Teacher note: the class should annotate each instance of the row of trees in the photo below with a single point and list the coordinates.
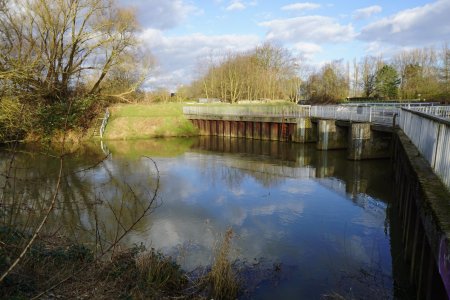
(61, 53)
(266, 72)
(270, 72)
(333, 82)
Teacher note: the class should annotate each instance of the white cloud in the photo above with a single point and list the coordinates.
(301, 6)
(296, 208)
(307, 50)
(367, 12)
(235, 5)
(162, 14)
(318, 29)
(419, 26)
(179, 56)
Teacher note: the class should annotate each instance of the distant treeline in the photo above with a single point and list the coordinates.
(271, 72)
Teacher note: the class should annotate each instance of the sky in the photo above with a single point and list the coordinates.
(183, 35)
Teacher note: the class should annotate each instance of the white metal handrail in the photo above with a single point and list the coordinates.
(377, 114)
(104, 122)
(439, 111)
(431, 136)
(405, 103)
(295, 111)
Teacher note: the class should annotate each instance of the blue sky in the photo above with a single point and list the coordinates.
(184, 34)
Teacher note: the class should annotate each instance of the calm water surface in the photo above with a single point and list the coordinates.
(307, 223)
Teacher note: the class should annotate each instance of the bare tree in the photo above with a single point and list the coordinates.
(51, 48)
(267, 72)
(329, 84)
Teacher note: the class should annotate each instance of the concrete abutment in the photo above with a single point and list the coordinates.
(331, 136)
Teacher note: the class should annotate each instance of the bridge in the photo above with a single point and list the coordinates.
(359, 127)
(415, 137)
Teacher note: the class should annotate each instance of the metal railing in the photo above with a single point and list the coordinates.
(294, 111)
(431, 136)
(439, 111)
(406, 103)
(340, 112)
(377, 114)
(104, 122)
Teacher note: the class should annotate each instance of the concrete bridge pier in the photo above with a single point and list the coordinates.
(359, 136)
(368, 142)
(330, 135)
(306, 131)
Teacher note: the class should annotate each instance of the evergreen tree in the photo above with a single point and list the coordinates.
(387, 82)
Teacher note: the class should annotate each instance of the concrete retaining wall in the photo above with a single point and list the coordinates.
(423, 207)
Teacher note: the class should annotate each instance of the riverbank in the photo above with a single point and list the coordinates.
(58, 268)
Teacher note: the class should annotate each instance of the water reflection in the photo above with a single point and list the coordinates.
(94, 197)
(268, 161)
(290, 205)
(317, 217)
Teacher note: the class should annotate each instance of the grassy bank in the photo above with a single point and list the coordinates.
(141, 121)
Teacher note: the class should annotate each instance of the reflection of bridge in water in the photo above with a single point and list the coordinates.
(270, 161)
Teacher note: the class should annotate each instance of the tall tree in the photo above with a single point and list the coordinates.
(329, 84)
(412, 81)
(387, 82)
(369, 66)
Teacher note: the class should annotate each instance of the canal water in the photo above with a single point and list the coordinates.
(307, 224)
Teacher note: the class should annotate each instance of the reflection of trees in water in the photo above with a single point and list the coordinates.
(267, 162)
(261, 174)
(97, 200)
(233, 169)
(232, 177)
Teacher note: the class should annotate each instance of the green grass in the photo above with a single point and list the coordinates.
(148, 110)
(142, 121)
